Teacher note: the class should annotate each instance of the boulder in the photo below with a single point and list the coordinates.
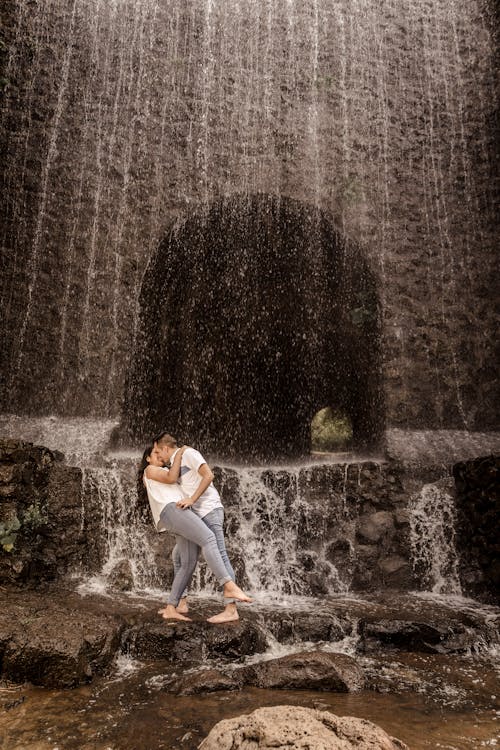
(233, 639)
(373, 527)
(56, 648)
(291, 627)
(294, 727)
(190, 642)
(121, 577)
(428, 637)
(316, 670)
(204, 681)
(169, 640)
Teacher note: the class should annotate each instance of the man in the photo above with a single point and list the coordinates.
(196, 481)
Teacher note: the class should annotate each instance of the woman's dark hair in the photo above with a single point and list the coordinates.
(141, 490)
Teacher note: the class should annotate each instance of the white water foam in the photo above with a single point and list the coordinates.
(432, 538)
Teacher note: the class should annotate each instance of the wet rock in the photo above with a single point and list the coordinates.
(191, 642)
(478, 519)
(396, 571)
(45, 497)
(374, 526)
(296, 727)
(315, 670)
(427, 637)
(121, 577)
(308, 626)
(205, 681)
(234, 639)
(56, 647)
(162, 639)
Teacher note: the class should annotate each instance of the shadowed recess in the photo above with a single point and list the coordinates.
(254, 315)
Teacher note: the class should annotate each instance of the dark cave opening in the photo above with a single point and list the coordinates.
(254, 315)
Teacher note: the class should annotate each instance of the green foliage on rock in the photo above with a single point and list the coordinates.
(330, 430)
(34, 517)
(31, 520)
(8, 533)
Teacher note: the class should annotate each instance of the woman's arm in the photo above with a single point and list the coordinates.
(175, 469)
(167, 477)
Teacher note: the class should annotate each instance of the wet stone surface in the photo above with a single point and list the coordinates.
(58, 638)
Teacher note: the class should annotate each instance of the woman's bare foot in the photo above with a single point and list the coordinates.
(229, 614)
(232, 591)
(183, 607)
(170, 613)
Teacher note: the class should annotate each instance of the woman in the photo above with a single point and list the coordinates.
(191, 533)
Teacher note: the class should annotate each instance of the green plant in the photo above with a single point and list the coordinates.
(331, 430)
(34, 517)
(8, 533)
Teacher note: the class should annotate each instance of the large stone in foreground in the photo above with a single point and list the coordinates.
(315, 670)
(297, 728)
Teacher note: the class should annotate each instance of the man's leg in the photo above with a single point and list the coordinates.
(186, 524)
(215, 522)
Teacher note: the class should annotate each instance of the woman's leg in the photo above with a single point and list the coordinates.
(176, 559)
(185, 523)
(188, 554)
(182, 607)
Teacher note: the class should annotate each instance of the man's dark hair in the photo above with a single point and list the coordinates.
(164, 438)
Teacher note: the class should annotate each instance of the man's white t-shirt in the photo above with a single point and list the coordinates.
(189, 480)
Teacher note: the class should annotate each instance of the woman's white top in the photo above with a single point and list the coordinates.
(160, 495)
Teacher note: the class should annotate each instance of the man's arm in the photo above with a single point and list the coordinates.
(207, 476)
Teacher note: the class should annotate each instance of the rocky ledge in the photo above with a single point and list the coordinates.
(57, 638)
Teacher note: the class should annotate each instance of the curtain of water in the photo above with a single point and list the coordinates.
(433, 523)
(139, 109)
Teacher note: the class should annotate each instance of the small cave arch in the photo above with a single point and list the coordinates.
(254, 315)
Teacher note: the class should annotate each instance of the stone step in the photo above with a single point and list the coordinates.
(57, 638)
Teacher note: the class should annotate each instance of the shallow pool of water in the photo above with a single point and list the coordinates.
(429, 701)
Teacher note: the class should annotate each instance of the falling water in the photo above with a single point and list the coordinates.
(121, 116)
(432, 523)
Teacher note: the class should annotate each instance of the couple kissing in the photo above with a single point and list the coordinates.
(184, 501)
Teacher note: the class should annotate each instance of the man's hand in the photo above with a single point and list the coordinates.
(186, 502)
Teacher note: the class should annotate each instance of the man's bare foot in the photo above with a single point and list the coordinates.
(229, 614)
(232, 591)
(170, 613)
(183, 607)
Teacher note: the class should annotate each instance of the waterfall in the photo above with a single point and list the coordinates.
(120, 116)
(277, 540)
(433, 523)
(121, 532)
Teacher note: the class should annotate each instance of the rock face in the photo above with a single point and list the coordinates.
(297, 728)
(171, 152)
(478, 522)
(42, 498)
